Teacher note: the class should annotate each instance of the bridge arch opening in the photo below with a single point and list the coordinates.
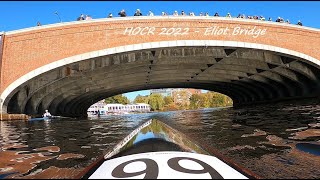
(248, 73)
(164, 99)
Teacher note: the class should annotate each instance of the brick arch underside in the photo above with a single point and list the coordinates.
(246, 75)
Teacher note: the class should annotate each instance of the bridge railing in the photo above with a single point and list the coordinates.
(128, 18)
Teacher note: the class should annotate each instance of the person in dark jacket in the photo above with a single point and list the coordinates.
(122, 13)
(80, 18)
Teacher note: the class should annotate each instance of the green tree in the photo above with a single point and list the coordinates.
(141, 99)
(196, 101)
(156, 102)
(218, 100)
(206, 100)
(121, 99)
(110, 100)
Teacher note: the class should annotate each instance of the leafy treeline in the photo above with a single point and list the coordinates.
(118, 99)
(159, 103)
(209, 99)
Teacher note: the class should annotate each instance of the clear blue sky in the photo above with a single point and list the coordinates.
(17, 15)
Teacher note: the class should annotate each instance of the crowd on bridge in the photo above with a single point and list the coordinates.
(123, 13)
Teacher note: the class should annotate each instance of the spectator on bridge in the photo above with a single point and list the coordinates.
(201, 14)
(216, 14)
(183, 13)
(191, 14)
(122, 13)
(150, 13)
(242, 16)
(110, 15)
(207, 14)
(88, 17)
(137, 13)
(270, 19)
(288, 22)
(80, 18)
(38, 23)
(280, 20)
(262, 18)
(163, 14)
(228, 15)
(175, 13)
(299, 23)
(47, 114)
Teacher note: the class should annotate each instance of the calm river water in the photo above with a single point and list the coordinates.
(273, 141)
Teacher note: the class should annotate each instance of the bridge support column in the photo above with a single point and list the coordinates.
(9, 117)
(3, 108)
(4, 116)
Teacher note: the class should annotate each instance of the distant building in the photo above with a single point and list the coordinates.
(194, 91)
(96, 107)
(182, 96)
(163, 92)
(104, 109)
(176, 94)
(120, 108)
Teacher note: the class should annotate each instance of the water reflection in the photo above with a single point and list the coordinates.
(268, 140)
(309, 148)
(157, 130)
(55, 148)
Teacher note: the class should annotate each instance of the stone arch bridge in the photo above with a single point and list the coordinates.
(66, 67)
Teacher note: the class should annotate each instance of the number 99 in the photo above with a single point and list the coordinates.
(174, 164)
(151, 171)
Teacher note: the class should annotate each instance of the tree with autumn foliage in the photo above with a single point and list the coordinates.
(196, 101)
(209, 100)
(169, 104)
